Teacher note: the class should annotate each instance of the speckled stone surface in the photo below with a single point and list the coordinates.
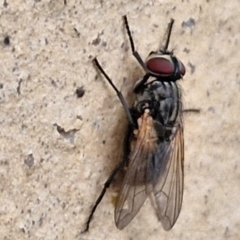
(58, 149)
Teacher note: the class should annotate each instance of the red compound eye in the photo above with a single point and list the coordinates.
(182, 68)
(164, 65)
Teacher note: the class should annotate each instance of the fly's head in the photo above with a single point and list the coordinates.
(164, 64)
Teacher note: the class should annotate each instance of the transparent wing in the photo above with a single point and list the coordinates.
(168, 185)
(136, 185)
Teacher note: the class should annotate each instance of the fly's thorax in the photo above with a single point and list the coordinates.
(163, 99)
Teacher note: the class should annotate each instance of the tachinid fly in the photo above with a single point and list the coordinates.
(154, 149)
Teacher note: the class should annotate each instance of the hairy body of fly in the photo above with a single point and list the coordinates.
(155, 155)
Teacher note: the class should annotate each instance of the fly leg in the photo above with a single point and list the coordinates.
(134, 52)
(106, 186)
(168, 37)
(119, 94)
(137, 87)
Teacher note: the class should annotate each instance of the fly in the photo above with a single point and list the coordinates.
(154, 149)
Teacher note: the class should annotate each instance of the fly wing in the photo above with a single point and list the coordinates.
(136, 185)
(168, 186)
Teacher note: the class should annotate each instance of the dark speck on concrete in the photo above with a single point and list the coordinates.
(186, 50)
(77, 32)
(96, 41)
(6, 41)
(104, 44)
(80, 91)
(192, 67)
(190, 23)
(19, 86)
(29, 161)
(211, 109)
(5, 4)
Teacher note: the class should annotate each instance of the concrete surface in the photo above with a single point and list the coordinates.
(50, 176)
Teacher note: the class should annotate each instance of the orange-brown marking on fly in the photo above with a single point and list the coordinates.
(145, 136)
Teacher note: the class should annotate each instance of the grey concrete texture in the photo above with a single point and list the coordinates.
(58, 149)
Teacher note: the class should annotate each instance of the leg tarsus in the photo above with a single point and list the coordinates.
(106, 186)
